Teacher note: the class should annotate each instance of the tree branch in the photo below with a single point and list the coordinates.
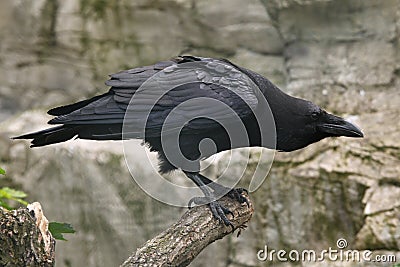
(185, 239)
(24, 238)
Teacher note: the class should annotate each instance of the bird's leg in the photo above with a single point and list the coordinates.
(217, 210)
(234, 193)
(213, 185)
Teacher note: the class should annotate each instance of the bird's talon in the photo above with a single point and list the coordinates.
(227, 211)
(241, 190)
(236, 194)
(219, 212)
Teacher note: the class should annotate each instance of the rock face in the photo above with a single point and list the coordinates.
(342, 55)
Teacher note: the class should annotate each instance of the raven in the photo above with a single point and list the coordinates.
(114, 115)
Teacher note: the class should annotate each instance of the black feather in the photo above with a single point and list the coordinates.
(72, 107)
(50, 136)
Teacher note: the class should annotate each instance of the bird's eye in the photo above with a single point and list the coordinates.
(314, 115)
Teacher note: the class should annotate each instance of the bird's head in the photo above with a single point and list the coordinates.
(304, 123)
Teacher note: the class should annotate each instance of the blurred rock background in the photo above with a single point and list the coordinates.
(342, 55)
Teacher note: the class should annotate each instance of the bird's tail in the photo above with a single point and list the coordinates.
(66, 132)
(49, 136)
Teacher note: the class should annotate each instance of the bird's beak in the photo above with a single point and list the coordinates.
(337, 126)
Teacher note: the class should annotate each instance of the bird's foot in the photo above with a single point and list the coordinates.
(218, 211)
(236, 194)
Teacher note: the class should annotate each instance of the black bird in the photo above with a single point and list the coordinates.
(161, 91)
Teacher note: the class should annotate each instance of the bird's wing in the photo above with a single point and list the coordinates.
(171, 94)
(104, 108)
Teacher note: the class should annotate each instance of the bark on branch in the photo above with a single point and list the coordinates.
(185, 239)
(24, 238)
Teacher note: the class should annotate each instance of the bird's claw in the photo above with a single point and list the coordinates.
(236, 194)
(218, 211)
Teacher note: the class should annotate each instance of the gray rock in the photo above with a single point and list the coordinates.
(340, 54)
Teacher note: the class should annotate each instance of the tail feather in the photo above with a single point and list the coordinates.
(50, 136)
(64, 133)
